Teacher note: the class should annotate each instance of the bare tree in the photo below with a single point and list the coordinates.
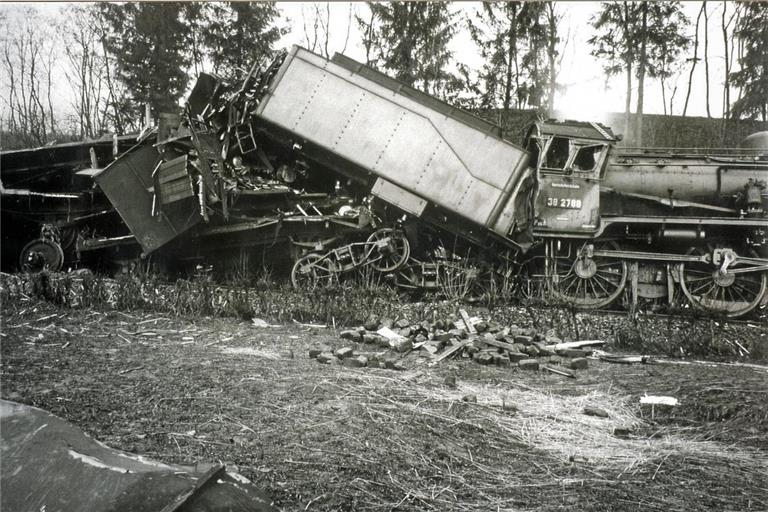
(85, 69)
(725, 26)
(316, 22)
(370, 35)
(311, 38)
(26, 63)
(118, 105)
(706, 55)
(552, 23)
(695, 59)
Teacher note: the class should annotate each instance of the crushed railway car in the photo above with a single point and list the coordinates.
(49, 201)
(331, 166)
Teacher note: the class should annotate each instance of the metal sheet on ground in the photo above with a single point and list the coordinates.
(49, 464)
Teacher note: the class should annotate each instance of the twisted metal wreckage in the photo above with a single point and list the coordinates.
(334, 167)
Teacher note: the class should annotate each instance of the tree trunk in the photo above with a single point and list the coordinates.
(642, 64)
(729, 51)
(695, 59)
(511, 57)
(551, 53)
(628, 103)
(706, 55)
(726, 82)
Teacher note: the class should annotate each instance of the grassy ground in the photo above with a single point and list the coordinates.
(330, 438)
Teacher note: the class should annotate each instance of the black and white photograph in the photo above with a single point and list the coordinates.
(384, 256)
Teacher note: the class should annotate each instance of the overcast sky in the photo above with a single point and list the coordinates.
(587, 95)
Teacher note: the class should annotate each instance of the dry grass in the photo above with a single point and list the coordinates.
(332, 438)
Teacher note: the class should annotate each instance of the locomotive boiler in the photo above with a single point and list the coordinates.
(649, 223)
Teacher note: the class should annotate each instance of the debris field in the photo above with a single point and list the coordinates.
(440, 434)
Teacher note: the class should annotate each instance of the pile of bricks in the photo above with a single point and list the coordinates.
(486, 343)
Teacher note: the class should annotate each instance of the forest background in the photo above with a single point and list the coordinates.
(70, 71)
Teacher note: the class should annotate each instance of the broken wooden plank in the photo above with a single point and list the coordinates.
(498, 344)
(559, 371)
(173, 174)
(610, 358)
(659, 400)
(575, 344)
(467, 321)
(451, 351)
(128, 370)
(172, 198)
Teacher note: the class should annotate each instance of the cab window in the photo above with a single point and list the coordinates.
(587, 158)
(557, 154)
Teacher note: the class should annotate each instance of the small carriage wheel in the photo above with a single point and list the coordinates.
(409, 276)
(312, 270)
(391, 255)
(727, 294)
(41, 254)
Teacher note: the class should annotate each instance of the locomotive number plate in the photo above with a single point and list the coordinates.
(564, 202)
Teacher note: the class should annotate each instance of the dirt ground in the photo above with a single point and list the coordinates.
(321, 437)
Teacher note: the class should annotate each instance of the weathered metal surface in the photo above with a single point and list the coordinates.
(128, 184)
(577, 129)
(49, 464)
(436, 156)
(757, 141)
(568, 199)
(50, 168)
(682, 177)
(399, 197)
(580, 193)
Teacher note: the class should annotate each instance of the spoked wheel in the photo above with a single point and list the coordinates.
(41, 254)
(729, 294)
(312, 270)
(409, 276)
(464, 280)
(389, 248)
(68, 237)
(523, 285)
(585, 281)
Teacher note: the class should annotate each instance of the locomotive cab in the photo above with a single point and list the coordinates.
(570, 160)
(644, 223)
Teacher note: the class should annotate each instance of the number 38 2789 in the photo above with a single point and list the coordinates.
(564, 202)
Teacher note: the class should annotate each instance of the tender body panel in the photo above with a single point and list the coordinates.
(433, 155)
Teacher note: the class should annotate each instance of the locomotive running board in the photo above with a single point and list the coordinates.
(699, 221)
(759, 265)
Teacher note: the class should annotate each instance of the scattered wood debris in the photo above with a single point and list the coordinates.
(485, 342)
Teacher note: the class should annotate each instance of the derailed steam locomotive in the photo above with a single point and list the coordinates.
(351, 169)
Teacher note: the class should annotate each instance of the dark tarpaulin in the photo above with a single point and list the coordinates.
(49, 464)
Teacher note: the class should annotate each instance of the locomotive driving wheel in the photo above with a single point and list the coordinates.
(727, 293)
(389, 248)
(312, 270)
(583, 280)
(41, 254)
